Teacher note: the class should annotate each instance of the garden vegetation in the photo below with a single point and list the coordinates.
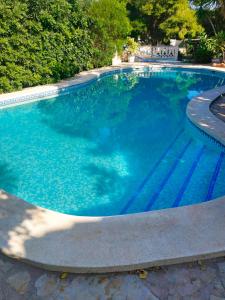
(44, 41)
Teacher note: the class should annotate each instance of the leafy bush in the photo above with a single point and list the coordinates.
(203, 55)
(210, 47)
(132, 46)
(42, 42)
(219, 45)
(204, 50)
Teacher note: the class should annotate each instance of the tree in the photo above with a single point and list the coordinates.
(110, 28)
(165, 19)
(182, 24)
(209, 5)
(211, 14)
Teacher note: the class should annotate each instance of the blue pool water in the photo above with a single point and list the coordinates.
(121, 144)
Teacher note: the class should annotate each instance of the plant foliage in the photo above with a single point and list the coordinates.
(160, 20)
(41, 42)
(110, 28)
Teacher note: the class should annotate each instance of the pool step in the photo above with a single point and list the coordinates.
(180, 178)
(188, 177)
(214, 178)
(167, 178)
(143, 183)
(204, 181)
(219, 187)
(188, 171)
(167, 159)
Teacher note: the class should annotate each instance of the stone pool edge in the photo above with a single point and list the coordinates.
(62, 242)
(199, 112)
(43, 92)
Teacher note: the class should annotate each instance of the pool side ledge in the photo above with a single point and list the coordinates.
(62, 242)
(199, 112)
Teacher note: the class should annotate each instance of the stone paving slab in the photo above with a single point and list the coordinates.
(203, 280)
(218, 108)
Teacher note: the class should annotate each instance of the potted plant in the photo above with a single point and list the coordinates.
(132, 48)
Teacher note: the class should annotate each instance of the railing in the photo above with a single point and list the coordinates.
(159, 52)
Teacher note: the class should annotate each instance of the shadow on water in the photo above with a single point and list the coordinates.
(7, 180)
(106, 181)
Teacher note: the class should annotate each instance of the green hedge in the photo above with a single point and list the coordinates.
(42, 42)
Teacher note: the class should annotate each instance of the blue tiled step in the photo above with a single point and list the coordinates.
(167, 178)
(187, 172)
(188, 177)
(178, 179)
(145, 180)
(194, 180)
(202, 183)
(163, 167)
(214, 178)
(219, 187)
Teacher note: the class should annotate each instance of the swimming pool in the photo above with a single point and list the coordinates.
(121, 144)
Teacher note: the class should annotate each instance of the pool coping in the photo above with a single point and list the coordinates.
(61, 242)
(199, 112)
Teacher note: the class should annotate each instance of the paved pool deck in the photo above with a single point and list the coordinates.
(218, 108)
(62, 242)
(203, 280)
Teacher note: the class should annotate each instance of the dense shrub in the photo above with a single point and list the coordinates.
(219, 45)
(210, 47)
(110, 28)
(204, 50)
(203, 55)
(41, 42)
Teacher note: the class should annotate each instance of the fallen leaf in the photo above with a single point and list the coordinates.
(63, 275)
(143, 274)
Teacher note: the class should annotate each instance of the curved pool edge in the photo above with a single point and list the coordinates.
(42, 92)
(199, 112)
(60, 242)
